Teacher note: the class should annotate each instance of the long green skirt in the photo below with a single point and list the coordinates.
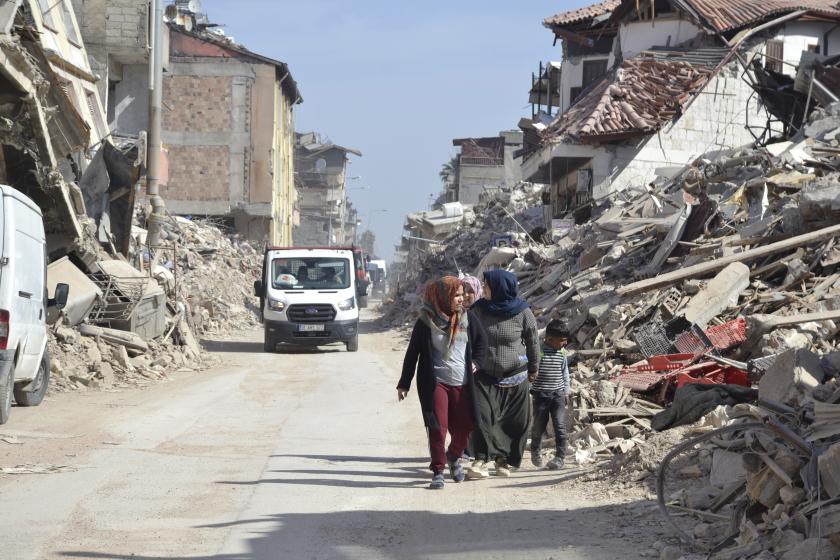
(502, 417)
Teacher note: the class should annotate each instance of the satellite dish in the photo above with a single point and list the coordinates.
(170, 13)
(194, 6)
(320, 165)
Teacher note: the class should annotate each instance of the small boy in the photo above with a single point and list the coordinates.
(550, 390)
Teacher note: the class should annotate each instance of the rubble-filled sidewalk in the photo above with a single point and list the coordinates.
(207, 277)
(687, 294)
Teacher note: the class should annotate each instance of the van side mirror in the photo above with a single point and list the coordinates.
(258, 288)
(59, 299)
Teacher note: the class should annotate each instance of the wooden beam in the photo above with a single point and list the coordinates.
(718, 264)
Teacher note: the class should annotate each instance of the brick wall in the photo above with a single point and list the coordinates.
(198, 173)
(197, 104)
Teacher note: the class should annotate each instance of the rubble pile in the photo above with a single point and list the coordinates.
(762, 480)
(218, 273)
(707, 276)
(517, 213)
(206, 276)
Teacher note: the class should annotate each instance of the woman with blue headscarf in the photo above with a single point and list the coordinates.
(500, 389)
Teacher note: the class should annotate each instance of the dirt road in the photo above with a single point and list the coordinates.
(304, 455)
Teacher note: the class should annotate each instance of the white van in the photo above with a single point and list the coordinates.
(308, 297)
(24, 360)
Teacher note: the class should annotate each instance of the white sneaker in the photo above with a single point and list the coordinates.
(502, 468)
(477, 470)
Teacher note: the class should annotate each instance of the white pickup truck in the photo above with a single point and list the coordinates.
(308, 297)
(24, 360)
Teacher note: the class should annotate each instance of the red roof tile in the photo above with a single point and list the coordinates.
(727, 15)
(582, 14)
(636, 99)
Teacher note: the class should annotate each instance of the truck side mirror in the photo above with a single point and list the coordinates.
(258, 288)
(59, 299)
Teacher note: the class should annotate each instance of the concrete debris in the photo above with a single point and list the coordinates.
(729, 279)
(185, 294)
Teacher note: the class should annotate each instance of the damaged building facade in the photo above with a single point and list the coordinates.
(653, 85)
(228, 119)
(327, 216)
(484, 163)
(55, 123)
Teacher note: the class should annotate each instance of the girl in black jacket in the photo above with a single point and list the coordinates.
(447, 346)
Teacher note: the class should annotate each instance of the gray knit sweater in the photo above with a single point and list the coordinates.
(507, 340)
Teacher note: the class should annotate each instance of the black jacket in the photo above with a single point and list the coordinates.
(418, 358)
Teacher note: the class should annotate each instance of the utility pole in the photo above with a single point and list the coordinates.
(154, 143)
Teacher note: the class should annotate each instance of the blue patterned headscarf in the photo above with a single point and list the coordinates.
(504, 295)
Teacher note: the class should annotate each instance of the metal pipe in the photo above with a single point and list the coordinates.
(154, 140)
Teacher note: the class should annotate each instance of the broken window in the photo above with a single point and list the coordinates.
(46, 11)
(70, 29)
(774, 54)
(593, 69)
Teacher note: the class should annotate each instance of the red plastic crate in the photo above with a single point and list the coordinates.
(729, 334)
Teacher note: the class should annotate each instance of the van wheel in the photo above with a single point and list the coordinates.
(6, 396)
(269, 342)
(40, 384)
(363, 302)
(353, 344)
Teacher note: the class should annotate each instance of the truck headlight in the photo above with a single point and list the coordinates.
(276, 305)
(347, 304)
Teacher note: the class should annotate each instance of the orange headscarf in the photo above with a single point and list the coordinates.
(437, 306)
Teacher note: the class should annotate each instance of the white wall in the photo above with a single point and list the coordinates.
(715, 122)
(638, 36)
(798, 35)
(572, 75)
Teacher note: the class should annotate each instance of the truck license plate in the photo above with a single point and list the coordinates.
(310, 328)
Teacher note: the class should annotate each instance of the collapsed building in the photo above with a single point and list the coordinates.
(654, 84)
(699, 274)
(133, 310)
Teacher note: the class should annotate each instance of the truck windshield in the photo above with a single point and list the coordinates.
(310, 273)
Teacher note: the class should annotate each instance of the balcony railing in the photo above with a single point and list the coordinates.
(489, 161)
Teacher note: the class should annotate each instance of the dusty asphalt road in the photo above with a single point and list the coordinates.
(298, 456)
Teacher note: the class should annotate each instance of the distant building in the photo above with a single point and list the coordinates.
(326, 215)
(485, 163)
(228, 115)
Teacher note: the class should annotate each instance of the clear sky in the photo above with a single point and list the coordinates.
(399, 80)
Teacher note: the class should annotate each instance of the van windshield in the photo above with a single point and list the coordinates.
(310, 273)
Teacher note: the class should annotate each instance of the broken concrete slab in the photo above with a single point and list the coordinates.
(829, 465)
(820, 201)
(791, 377)
(727, 467)
(721, 292)
(131, 341)
(83, 295)
(812, 549)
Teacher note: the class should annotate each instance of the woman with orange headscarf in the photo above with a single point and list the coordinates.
(446, 347)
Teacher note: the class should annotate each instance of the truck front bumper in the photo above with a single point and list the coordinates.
(291, 333)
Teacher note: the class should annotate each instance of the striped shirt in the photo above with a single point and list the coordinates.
(554, 371)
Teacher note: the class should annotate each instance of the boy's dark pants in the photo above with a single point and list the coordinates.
(545, 405)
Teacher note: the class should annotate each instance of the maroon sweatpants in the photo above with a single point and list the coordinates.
(453, 408)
